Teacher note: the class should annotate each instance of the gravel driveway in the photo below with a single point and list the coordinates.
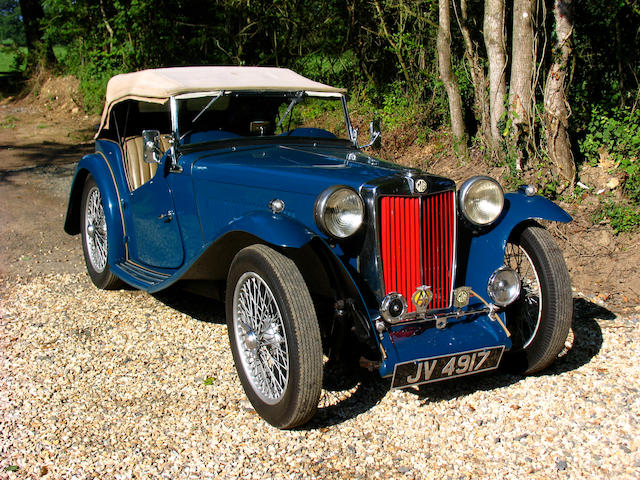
(119, 385)
(122, 384)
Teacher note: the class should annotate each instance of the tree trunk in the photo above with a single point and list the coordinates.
(494, 42)
(521, 82)
(619, 59)
(449, 80)
(37, 49)
(555, 100)
(478, 79)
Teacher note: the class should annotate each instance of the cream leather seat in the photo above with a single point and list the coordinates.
(138, 171)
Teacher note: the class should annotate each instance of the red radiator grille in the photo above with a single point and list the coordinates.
(417, 245)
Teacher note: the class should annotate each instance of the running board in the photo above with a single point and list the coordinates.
(138, 276)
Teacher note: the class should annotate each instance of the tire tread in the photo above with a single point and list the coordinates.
(557, 302)
(300, 310)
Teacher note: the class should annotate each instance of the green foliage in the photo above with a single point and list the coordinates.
(465, 83)
(398, 108)
(9, 122)
(12, 58)
(511, 179)
(383, 51)
(606, 51)
(11, 29)
(93, 76)
(335, 70)
(623, 218)
(616, 133)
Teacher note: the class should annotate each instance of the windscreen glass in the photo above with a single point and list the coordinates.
(231, 115)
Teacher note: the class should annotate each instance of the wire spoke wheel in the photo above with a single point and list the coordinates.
(95, 240)
(96, 230)
(540, 319)
(261, 337)
(274, 336)
(525, 323)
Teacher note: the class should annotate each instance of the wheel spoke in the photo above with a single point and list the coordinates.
(523, 317)
(96, 230)
(261, 338)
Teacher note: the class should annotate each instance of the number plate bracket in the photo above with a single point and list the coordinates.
(444, 367)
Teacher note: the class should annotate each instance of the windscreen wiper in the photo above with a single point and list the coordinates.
(213, 100)
(294, 102)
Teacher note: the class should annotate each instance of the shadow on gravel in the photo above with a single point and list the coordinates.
(349, 392)
(196, 306)
(43, 157)
(587, 336)
(587, 341)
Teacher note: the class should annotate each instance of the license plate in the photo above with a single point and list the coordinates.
(434, 369)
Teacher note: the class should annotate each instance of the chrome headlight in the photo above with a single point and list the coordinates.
(504, 286)
(339, 211)
(481, 200)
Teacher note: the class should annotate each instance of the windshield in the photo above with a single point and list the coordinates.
(222, 116)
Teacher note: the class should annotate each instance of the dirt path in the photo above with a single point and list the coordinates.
(42, 139)
(39, 148)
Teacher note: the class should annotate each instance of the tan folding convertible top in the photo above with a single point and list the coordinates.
(158, 85)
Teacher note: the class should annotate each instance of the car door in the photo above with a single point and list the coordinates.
(154, 233)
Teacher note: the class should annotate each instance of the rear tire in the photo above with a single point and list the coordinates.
(540, 319)
(95, 243)
(274, 336)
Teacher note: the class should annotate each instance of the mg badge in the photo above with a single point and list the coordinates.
(421, 185)
(421, 298)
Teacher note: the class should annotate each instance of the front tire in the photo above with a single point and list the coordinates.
(274, 336)
(540, 319)
(95, 244)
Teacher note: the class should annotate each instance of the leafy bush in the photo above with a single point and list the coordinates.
(616, 133)
(93, 69)
(396, 108)
(337, 70)
(623, 218)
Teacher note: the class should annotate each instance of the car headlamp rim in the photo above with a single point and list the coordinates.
(504, 295)
(320, 210)
(463, 194)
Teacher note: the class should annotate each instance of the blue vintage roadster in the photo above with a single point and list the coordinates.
(231, 182)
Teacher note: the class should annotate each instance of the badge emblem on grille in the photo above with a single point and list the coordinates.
(422, 297)
(421, 185)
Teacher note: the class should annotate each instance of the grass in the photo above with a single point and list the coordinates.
(9, 122)
(8, 57)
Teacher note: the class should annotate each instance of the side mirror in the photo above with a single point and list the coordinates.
(152, 153)
(375, 137)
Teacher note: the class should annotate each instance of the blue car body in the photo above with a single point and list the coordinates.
(211, 195)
